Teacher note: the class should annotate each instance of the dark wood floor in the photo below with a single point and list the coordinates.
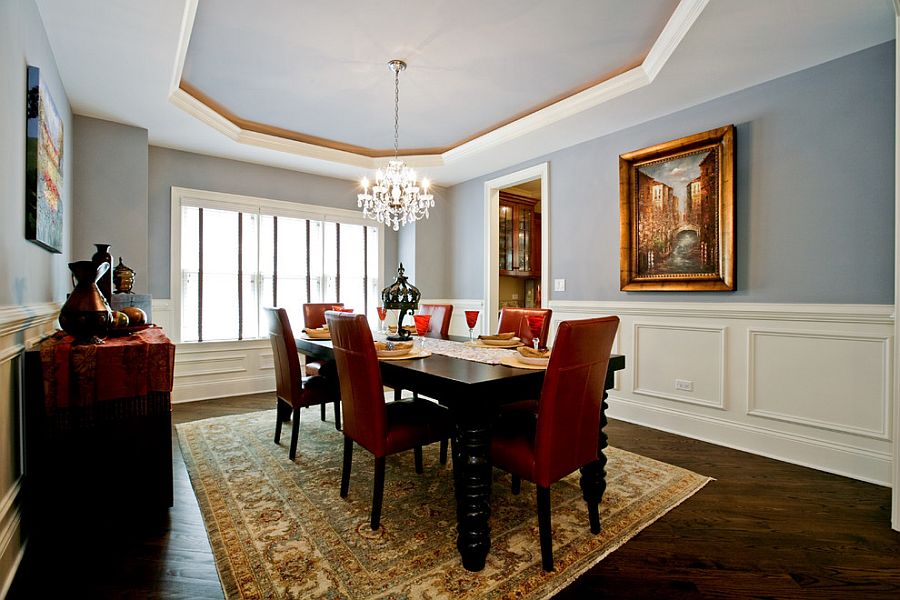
(763, 529)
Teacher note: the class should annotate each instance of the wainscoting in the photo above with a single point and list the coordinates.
(803, 383)
(20, 326)
(806, 384)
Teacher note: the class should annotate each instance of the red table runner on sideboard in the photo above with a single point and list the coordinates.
(84, 375)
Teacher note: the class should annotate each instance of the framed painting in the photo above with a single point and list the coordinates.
(676, 214)
(43, 166)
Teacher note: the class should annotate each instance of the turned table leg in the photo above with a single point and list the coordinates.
(472, 475)
(593, 475)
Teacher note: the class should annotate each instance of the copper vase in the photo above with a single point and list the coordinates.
(86, 316)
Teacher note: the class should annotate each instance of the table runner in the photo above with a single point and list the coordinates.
(490, 356)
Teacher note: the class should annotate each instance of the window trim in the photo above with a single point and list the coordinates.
(236, 202)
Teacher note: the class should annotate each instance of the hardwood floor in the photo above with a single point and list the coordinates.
(763, 529)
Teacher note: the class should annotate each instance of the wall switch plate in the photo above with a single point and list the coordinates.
(684, 385)
(559, 285)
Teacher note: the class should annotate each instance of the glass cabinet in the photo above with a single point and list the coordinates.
(520, 236)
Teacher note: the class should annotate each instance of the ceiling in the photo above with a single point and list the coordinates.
(490, 83)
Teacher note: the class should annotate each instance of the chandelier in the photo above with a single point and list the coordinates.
(396, 198)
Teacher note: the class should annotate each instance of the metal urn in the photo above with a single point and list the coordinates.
(403, 296)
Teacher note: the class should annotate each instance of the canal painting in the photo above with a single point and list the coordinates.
(43, 166)
(675, 214)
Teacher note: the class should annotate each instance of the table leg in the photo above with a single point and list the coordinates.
(472, 476)
(593, 475)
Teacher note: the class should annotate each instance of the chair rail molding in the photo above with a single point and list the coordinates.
(771, 379)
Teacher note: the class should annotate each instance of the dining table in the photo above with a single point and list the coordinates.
(473, 392)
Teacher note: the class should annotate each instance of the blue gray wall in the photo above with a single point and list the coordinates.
(28, 273)
(814, 193)
(111, 188)
(184, 169)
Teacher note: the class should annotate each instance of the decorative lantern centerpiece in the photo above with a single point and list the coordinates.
(402, 296)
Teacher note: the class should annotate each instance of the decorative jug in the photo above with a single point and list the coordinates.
(86, 316)
(102, 255)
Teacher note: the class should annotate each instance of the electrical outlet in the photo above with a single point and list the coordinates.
(515, 296)
(684, 385)
(559, 285)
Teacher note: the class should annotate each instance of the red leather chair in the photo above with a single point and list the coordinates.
(440, 319)
(313, 318)
(439, 327)
(382, 428)
(291, 389)
(564, 437)
(527, 323)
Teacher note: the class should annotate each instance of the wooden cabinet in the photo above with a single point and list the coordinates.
(520, 236)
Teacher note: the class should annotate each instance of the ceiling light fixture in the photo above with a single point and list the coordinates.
(396, 197)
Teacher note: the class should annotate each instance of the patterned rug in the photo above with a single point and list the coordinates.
(279, 529)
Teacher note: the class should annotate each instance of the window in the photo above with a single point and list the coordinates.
(232, 256)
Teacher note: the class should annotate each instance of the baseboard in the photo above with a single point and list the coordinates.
(222, 388)
(844, 460)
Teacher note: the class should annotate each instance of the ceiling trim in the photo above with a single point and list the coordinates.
(257, 127)
(198, 105)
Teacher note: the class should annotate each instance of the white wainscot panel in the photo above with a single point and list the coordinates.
(694, 356)
(221, 369)
(833, 381)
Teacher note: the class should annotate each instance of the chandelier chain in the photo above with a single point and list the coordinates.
(396, 113)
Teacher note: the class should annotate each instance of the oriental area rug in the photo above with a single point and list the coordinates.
(279, 529)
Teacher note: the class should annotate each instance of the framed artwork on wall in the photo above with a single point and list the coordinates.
(43, 166)
(676, 214)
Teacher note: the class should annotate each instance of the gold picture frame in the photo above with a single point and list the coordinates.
(676, 214)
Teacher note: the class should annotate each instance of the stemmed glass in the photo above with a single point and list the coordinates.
(471, 319)
(382, 313)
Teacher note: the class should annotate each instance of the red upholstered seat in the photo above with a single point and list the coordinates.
(527, 323)
(292, 391)
(564, 436)
(379, 427)
(440, 319)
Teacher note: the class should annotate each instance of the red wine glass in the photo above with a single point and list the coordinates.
(471, 319)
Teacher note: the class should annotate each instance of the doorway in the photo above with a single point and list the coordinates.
(524, 179)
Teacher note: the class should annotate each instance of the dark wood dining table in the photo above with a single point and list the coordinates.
(473, 391)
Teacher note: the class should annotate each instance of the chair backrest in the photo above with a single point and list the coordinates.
(521, 321)
(568, 422)
(314, 314)
(362, 394)
(440, 319)
(288, 384)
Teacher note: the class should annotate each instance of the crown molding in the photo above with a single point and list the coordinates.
(676, 28)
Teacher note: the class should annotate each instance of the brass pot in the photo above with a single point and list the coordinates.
(86, 316)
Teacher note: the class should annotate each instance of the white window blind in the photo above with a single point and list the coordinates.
(237, 258)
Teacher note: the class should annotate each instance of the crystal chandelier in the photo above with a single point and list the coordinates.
(396, 197)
